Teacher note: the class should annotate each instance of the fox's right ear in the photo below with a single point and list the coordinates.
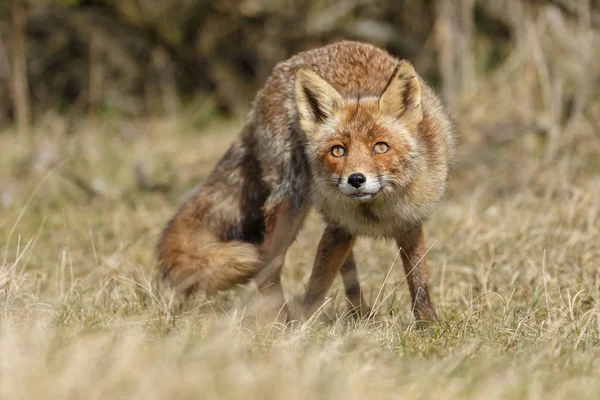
(315, 97)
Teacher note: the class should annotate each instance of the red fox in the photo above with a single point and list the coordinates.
(347, 128)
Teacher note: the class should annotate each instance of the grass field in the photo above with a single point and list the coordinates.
(514, 255)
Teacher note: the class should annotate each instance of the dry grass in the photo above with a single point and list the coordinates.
(514, 253)
(514, 259)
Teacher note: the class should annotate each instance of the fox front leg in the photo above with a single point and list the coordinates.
(334, 248)
(412, 250)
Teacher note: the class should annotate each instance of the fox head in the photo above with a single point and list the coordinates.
(361, 147)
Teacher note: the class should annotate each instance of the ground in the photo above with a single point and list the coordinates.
(513, 255)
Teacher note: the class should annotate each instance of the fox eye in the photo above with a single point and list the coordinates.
(338, 151)
(380, 148)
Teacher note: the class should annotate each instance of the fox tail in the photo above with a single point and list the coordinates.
(210, 267)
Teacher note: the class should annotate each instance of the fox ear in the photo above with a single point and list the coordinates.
(401, 97)
(315, 97)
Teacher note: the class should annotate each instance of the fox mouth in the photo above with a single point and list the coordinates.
(363, 196)
(365, 191)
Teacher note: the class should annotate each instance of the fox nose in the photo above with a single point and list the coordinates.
(356, 180)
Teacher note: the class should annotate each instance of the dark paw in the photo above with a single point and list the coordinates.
(425, 317)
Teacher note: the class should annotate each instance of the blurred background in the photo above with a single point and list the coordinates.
(135, 58)
(111, 110)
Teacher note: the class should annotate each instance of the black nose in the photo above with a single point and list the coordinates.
(356, 180)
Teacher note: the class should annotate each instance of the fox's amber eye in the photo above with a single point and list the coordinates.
(338, 151)
(380, 148)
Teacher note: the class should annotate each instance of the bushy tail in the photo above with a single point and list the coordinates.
(209, 267)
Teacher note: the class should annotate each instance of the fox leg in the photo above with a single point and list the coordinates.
(281, 227)
(352, 287)
(334, 248)
(268, 281)
(412, 251)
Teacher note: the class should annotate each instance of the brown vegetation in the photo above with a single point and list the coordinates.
(136, 57)
(513, 250)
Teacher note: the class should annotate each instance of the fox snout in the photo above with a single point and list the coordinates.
(360, 186)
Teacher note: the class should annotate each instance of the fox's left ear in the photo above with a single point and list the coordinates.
(316, 98)
(401, 97)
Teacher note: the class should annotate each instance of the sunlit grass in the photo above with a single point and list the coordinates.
(514, 253)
